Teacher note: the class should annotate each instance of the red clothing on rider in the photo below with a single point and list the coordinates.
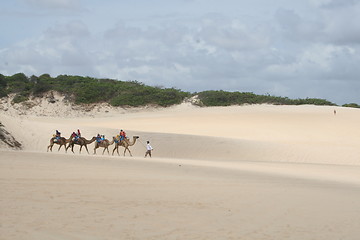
(122, 135)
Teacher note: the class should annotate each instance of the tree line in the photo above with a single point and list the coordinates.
(223, 98)
(85, 90)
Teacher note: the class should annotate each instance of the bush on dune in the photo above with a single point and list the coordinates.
(352, 105)
(85, 90)
(222, 98)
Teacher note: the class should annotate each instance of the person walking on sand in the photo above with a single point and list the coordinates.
(148, 149)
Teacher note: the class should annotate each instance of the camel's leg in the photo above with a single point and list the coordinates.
(113, 151)
(108, 150)
(86, 149)
(117, 150)
(72, 148)
(50, 147)
(104, 150)
(95, 149)
(59, 147)
(126, 148)
(129, 152)
(125, 151)
(66, 148)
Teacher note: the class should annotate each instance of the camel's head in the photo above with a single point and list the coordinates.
(136, 137)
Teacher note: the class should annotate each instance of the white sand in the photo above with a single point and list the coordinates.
(244, 172)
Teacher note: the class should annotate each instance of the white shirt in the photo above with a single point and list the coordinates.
(148, 147)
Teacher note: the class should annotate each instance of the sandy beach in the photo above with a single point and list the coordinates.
(240, 172)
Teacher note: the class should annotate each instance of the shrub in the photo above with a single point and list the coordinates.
(352, 105)
(222, 98)
(20, 97)
(131, 93)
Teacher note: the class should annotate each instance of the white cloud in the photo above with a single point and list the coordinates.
(74, 29)
(294, 54)
(342, 26)
(336, 4)
(54, 4)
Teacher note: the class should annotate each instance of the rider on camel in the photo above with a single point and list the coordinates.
(98, 138)
(74, 137)
(122, 135)
(57, 135)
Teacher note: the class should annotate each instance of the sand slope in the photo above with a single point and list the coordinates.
(304, 134)
(81, 197)
(244, 172)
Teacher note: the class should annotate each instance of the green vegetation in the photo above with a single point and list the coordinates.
(90, 90)
(132, 93)
(352, 105)
(222, 98)
(3, 85)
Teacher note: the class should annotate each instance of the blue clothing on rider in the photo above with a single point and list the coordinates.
(57, 135)
(98, 138)
(122, 135)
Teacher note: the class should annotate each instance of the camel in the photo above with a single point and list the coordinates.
(105, 144)
(82, 142)
(124, 143)
(62, 142)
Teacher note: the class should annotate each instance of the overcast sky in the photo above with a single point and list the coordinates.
(292, 48)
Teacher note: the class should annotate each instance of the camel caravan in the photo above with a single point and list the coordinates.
(120, 140)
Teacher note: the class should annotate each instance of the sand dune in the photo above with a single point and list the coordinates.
(303, 134)
(242, 172)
